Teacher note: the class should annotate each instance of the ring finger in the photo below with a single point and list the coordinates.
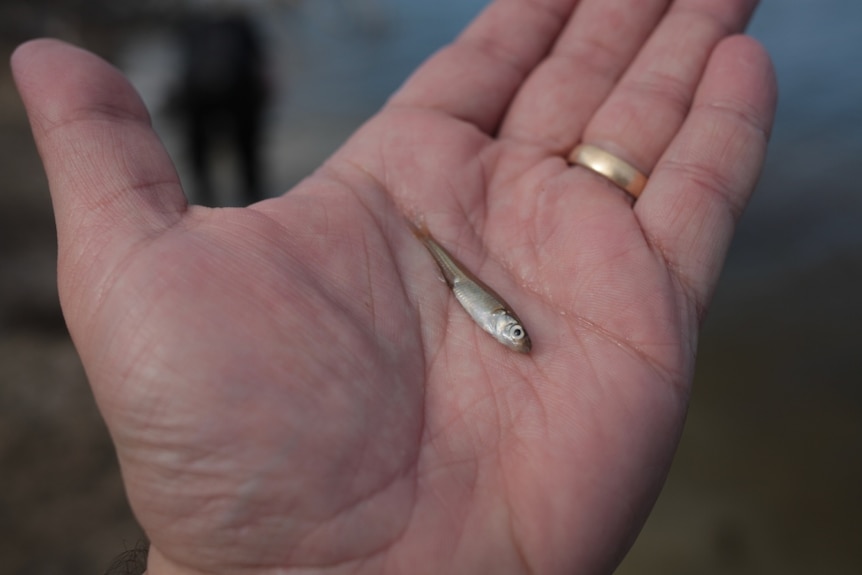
(648, 105)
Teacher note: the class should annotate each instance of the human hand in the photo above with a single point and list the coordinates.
(291, 388)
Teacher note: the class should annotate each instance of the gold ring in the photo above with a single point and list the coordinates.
(616, 170)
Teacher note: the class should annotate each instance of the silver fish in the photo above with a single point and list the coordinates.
(485, 307)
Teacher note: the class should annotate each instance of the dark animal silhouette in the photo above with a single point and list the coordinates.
(224, 93)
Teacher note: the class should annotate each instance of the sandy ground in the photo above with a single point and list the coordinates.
(766, 480)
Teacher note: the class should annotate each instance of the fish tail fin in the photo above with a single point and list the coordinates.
(447, 265)
(419, 229)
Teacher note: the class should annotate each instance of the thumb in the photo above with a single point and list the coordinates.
(112, 182)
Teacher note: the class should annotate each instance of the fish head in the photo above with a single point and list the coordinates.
(511, 333)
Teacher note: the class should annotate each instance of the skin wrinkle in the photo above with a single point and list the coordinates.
(697, 296)
(720, 28)
(476, 459)
(739, 110)
(740, 113)
(153, 192)
(581, 287)
(408, 522)
(510, 512)
(202, 237)
(159, 189)
(324, 288)
(593, 53)
(143, 183)
(531, 387)
(729, 26)
(469, 230)
(515, 540)
(109, 282)
(329, 567)
(503, 262)
(708, 182)
(128, 193)
(665, 88)
(383, 233)
(363, 565)
(323, 523)
(479, 223)
(494, 395)
(588, 359)
(489, 47)
(413, 464)
(536, 241)
(561, 16)
(146, 428)
(391, 256)
(470, 214)
(370, 282)
(511, 145)
(440, 442)
(442, 351)
(680, 279)
(519, 141)
(193, 464)
(630, 348)
(95, 113)
(467, 480)
(662, 88)
(460, 416)
(81, 261)
(125, 378)
(578, 336)
(543, 410)
(499, 458)
(511, 269)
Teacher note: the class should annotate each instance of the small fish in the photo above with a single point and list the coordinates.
(485, 307)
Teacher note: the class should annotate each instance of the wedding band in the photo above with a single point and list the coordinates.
(616, 170)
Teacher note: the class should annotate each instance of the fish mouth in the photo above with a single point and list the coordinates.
(523, 346)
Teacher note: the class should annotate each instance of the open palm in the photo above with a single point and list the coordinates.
(291, 385)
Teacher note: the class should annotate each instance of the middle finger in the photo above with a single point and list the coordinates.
(562, 93)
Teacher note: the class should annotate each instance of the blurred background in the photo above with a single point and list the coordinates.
(768, 476)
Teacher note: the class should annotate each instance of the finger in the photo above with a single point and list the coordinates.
(704, 180)
(111, 180)
(600, 41)
(649, 104)
(475, 78)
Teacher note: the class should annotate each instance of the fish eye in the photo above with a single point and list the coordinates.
(517, 332)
